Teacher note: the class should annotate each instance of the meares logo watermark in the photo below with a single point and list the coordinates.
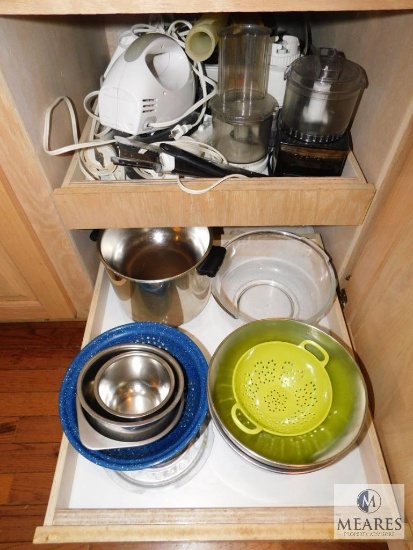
(373, 512)
(369, 501)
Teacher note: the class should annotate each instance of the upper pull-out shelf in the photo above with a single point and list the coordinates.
(262, 201)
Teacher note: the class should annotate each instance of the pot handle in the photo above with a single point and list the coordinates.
(94, 235)
(211, 264)
(240, 424)
(308, 344)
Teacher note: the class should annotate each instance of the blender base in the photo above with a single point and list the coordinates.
(293, 157)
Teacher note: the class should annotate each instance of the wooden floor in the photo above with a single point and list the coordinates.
(33, 359)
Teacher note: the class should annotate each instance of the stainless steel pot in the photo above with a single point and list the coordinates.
(159, 274)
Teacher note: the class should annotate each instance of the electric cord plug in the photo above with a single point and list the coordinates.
(180, 130)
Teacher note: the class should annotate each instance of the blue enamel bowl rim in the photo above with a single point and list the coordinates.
(195, 367)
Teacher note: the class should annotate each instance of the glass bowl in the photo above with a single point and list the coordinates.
(272, 274)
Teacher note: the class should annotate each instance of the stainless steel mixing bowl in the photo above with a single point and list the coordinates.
(145, 430)
(332, 439)
(134, 385)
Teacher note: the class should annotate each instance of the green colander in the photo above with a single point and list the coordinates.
(281, 388)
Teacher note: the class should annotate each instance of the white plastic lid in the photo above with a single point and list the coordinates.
(284, 52)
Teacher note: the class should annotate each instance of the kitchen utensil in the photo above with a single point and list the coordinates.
(242, 110)
(202, 38)
(110, 423)
(321, 96)
(134, 385)
(275, 274)
(152, 81)
(136, 432)
(262, 464)
(143, 161)
(186, 161)
(95, 441)
(281, 388)
(167, 158)
(195, 367)
(324, 444)
(157, 273)
(284, 50)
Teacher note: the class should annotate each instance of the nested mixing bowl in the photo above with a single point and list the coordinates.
(271, 274)
(135, 385)
(142, 430)
(194, 367)
(328, 440)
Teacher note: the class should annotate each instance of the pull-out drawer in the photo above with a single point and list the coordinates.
(342, 200)
(227, 499)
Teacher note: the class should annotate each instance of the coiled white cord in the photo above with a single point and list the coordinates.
(76, 145)
(89, 164)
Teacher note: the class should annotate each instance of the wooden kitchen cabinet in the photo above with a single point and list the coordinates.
(26, 293)
(42, 273)
(364, 218)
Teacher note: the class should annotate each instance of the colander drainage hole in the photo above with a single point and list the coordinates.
(276, 402)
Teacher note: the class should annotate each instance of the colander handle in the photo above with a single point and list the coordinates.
(308, 344)
(238, 422)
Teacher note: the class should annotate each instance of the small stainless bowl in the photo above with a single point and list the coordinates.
(134, 385)
(145, 430)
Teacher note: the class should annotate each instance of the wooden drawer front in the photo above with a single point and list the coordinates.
(161, 203)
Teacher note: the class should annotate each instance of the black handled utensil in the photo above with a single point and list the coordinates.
(202, 166)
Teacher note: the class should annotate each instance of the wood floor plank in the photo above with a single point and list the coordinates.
(6, 482)
(44, 380)
(64, 335)
(30, 488)
(29, 404)
(28, 457)
(8, 427)
(16, 511)
(36, 429)
(28, 359)
(17, 524)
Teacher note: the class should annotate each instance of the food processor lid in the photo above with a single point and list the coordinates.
(329, 67)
